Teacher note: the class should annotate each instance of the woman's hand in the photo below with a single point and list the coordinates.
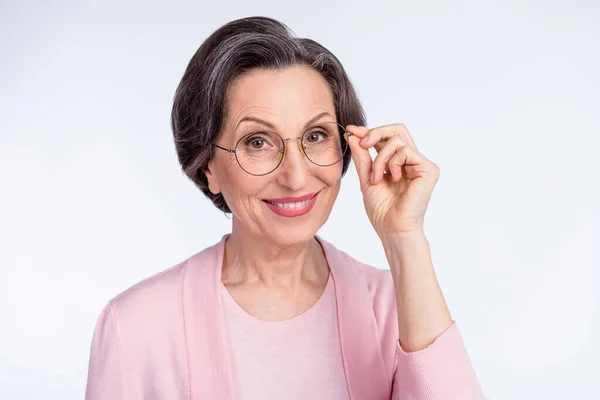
(395, 201)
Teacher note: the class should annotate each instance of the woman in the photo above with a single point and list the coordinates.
(265, 124)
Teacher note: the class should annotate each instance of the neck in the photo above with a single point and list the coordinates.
(250, 258)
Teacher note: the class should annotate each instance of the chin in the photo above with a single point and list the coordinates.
(287, 234)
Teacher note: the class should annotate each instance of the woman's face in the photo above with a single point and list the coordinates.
(287, 100)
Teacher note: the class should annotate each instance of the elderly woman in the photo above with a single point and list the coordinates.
(266, 124)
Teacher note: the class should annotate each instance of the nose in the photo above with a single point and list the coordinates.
(293, 171)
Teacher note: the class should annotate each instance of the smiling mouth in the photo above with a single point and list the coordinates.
(292, 204)
(296, 204)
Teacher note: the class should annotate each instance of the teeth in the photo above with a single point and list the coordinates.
(291, 205)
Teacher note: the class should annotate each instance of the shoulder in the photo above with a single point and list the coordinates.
(144, 325)
(134, 330)
(380, 286)
(378, 281)
(152, 293)
(155, 302)
(149, 307)
(163, 290)
(136, 324)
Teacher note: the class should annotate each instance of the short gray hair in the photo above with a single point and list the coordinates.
(199, 106)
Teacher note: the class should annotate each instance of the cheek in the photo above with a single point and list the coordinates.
(332, 175)
(335, 180)
(228, 180)
(239, 188)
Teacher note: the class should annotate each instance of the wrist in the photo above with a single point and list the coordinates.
(405, 237)
(406, 250)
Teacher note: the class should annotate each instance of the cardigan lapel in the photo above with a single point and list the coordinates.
(205, 330)
(359, 338)
(204, 325)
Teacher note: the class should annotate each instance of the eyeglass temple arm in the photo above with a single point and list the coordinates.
(223, 148)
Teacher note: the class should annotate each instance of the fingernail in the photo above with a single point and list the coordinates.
(365, 139)
(372, 176)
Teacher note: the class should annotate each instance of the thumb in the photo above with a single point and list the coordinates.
(361, 157)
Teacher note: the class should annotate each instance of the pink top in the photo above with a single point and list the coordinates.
(177, 335)
(311, 368)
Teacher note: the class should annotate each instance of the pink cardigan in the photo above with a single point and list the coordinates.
(165, 338)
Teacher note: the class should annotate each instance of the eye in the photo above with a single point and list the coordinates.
(313, 136)
(259, 141)
(255, 142)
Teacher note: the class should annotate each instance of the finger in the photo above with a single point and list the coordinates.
(361, 157)
(359, 131)
(386, 132)
(384, 156)
(362, 131)
(409, 163)
(395, 165)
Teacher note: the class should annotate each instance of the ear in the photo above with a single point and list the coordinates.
(213, 182)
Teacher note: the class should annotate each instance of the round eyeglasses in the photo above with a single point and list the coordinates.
(261, 152)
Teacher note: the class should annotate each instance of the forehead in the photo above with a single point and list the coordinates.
(294, 94)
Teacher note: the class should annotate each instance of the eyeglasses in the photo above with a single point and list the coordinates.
(260, 153)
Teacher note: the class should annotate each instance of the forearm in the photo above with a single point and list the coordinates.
(422, 311)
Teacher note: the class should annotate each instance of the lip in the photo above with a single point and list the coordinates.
(293, 212)
(293, 199)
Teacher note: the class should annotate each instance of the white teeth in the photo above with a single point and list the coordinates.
(291, 205)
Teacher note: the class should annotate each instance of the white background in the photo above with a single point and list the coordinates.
(503, 96)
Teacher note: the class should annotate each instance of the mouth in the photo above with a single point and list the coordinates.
(292, 207)
(292, 202)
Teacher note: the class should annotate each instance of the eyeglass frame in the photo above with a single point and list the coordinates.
(283, 148)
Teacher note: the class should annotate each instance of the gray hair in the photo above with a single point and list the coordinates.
(199, 106)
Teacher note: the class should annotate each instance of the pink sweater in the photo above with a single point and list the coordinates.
(180, 335)
(311, 368)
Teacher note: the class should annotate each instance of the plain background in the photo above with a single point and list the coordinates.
(503, 96)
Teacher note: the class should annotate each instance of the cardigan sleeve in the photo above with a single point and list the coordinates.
(107, 374)
(441, 371)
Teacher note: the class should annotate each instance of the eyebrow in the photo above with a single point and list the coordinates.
(271, 126)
